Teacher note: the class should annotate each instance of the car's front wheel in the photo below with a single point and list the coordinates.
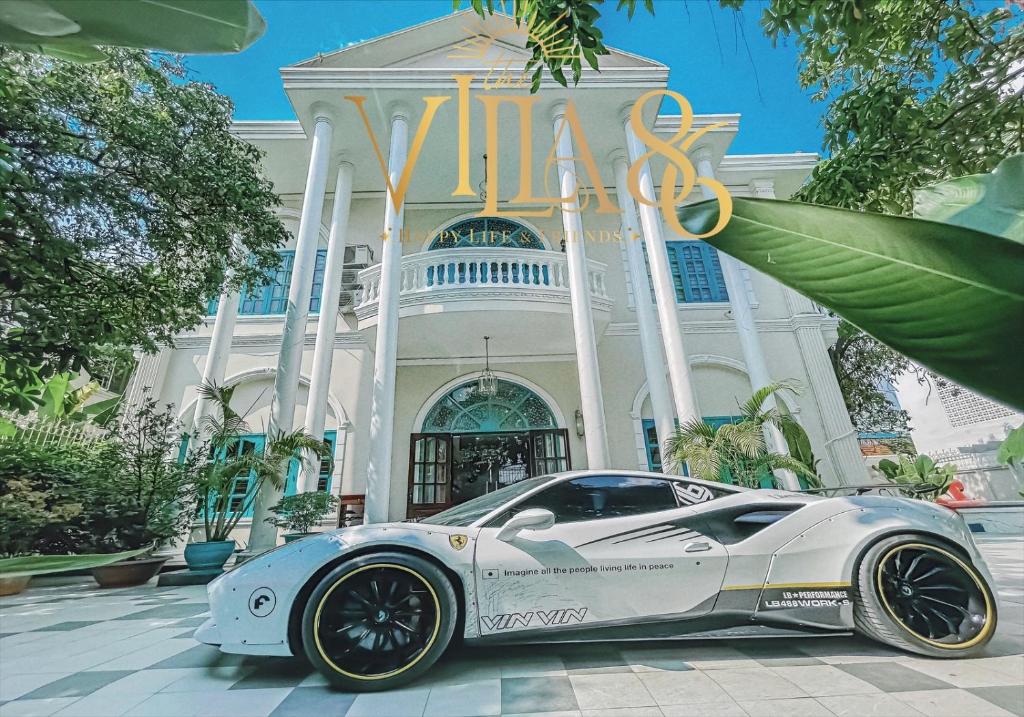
(379, 621)
(917, 594)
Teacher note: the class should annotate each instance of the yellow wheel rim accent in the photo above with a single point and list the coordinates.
(400, 670)
(986, 628)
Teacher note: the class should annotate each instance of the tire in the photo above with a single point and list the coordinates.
(379, 621)
(919, 595)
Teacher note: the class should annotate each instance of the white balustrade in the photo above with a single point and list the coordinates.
(485, 268)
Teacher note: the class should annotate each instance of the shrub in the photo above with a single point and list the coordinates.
(300, 512)
(37, 495)
(124, 493)
(140, 494)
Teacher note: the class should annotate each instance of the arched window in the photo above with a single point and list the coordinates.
(465, 410)
(480, 232)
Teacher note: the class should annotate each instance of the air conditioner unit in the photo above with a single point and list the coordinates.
(348, 300)
(358, 255)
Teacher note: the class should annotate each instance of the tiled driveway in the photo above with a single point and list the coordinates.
(67, 648)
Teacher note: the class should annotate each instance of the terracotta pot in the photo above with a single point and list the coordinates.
(12, 585)
(128, 573)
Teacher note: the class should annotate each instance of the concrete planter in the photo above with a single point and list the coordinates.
(128, 573)
(12, 585)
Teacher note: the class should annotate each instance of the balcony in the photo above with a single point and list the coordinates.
(450, 298)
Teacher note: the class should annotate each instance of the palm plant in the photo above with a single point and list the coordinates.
(219, 462)
(739, 449)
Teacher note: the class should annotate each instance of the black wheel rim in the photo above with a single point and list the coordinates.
(377, 621)
(934, 596)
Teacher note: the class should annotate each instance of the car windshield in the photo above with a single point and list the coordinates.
(472, 510)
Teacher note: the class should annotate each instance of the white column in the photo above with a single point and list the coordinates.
(147, 378)
(650, 342)
(220, 347)
(327, 323)
(746, 330)
(591, 400)
(262, 535)
(840, 436)
(679, 375)
(382, 410)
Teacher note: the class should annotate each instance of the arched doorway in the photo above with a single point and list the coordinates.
(471, 444)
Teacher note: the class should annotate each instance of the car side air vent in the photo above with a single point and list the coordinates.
(738, 523)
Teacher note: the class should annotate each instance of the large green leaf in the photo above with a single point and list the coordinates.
(948, 297)
(42, 564)
(991, 203)
(71, 29)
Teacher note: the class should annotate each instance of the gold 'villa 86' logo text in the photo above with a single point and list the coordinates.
(678, 179)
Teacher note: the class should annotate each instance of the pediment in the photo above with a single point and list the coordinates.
(462, 39)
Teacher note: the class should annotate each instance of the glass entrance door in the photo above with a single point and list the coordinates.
(448, 469)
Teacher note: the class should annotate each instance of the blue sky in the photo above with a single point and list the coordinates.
(720, 61)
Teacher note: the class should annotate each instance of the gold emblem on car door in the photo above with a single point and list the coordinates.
(458, 541)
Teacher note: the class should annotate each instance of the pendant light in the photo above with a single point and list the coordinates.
(483, 185)
(487, 384)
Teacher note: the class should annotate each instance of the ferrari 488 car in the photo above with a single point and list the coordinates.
(608, 555)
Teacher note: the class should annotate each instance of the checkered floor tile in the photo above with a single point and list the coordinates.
(70, 649)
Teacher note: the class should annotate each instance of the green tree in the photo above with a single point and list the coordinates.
(126, 198)
(737, 450)
(860, 364)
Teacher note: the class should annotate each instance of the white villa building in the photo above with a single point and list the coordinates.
(379, 345)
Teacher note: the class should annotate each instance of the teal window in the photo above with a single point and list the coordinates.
(696, 272)
(323, 482)
(241, 486)
(654, 448)
(272, 296)
(481, 232)
(652, 445)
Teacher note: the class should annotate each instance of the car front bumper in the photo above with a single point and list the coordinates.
(208, 633)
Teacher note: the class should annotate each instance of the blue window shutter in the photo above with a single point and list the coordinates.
(275, 297)
(319, 268)
(324, 480)
(291, 485)
(243, 487)
(696, 272)
(652, 445)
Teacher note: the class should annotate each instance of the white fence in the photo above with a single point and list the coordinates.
(38, 431)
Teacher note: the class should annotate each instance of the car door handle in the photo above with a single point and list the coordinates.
(697, 547)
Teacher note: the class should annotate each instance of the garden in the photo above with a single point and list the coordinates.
(118, 502)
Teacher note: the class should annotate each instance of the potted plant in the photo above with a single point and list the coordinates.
(918, 477)
(140, 499)
(299, 513)
(16, 572)
(221, 460)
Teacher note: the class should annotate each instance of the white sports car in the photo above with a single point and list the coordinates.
(599, 555)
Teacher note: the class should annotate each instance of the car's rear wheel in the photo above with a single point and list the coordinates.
(379, 621)
(919, 595)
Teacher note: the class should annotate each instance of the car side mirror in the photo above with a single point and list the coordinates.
(531, 519)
